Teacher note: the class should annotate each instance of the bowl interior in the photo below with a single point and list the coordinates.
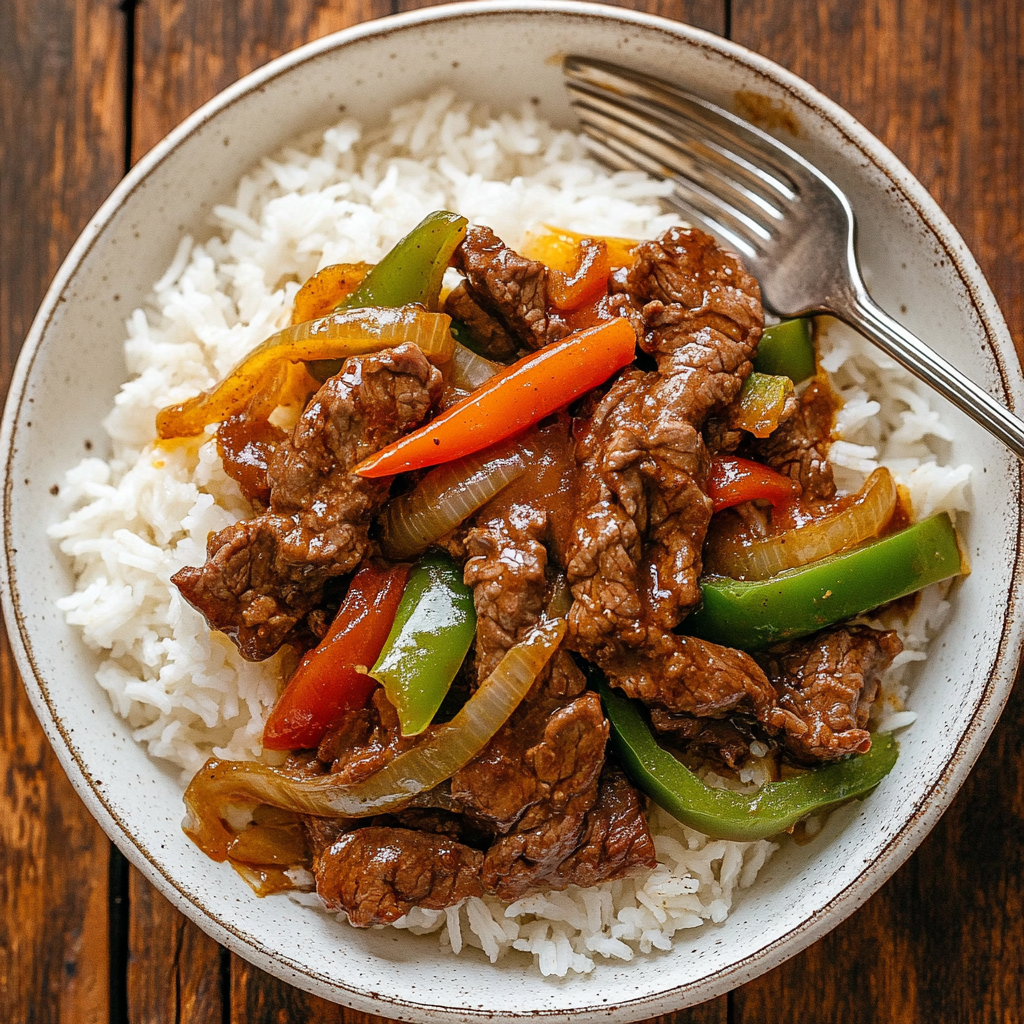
(73, 364)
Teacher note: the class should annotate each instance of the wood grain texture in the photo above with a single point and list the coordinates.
(188, 50)
(61, 151)
(706, 14)
(942, 84)
(174, 968)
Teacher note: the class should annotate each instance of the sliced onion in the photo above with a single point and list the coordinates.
(468, 370)
(444, 498)
(220, 785)
(863, 518)
(345, 333)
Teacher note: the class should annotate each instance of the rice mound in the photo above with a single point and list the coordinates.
(347, 195)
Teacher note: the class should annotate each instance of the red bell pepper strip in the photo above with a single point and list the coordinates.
(328, 680)
(511, 401)
(732, 481)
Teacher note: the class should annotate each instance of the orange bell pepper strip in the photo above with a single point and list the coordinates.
(587, 282)
(733, 480)
(331, 678)
(512, 400)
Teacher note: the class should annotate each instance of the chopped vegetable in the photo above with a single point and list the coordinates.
(558, 248)
(328, 289)
(413, 270)
(468, 371)
(722, 813)
(752, 615)
(433, 629)
(514, 399)
(733, 480)
(338, 336)
(220, 786)
(787, 350)
(586, 282)
(331, 678)
(445, 497)
(762, 402)
(860, 518)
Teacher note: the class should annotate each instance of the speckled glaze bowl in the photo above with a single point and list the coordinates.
(72, 365)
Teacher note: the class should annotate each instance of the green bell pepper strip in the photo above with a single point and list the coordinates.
(798, 602)
(434, 627)
(413, 270)
(787, 350)
(410, 272)
(721, 813)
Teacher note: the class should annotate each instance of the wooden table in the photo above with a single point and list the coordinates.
(86, 88)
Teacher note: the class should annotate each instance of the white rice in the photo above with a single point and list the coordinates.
(347, 195)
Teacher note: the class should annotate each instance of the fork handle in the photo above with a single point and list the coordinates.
(862, 313)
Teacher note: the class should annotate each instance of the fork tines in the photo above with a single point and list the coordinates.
(723, 169)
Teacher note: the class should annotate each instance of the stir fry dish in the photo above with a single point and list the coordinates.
(545, 547)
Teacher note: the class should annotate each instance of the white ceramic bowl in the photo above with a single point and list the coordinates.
(72, 365)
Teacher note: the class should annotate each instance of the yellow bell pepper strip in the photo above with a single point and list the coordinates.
(722, 813)
(787, 350)
(327, 290)
(512, 400)
(412, 271)
(587, 280)
(433, 629)
(798, 602)
(346, 333)
(558, 248)
(733, 480)
(220, 786)
(761, 404)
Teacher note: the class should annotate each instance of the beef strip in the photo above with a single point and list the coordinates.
(634, 556)
(507, 288)
(608, 839)
(545, 758)
(725, 740)
(635, 553)
(826, 687)
(368, 739)
(378, 874)
(489, 335)
(264, 575)
(798, 447)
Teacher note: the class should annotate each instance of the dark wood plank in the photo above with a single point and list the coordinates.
(941, 84)
(188, 50)
(186, 989)
(257, 998)
(61, 151)
(706, 14)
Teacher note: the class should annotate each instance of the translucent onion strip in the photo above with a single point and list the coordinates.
(863, 518)
(468, 370)
(220, 785)
(446, 496)
(348, 332)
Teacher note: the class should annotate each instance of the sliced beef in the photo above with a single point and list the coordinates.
(798, 447)
(368, 739)
(687, 675)
(634, 556)
(264, 575)
(506, 287)
(490, 336)
(546, 757)
(609, 839)
(378, 874)
(826, 686)
(725, 740)
(246, 447)
(506, 553)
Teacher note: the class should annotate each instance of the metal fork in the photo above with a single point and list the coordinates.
(792, 225)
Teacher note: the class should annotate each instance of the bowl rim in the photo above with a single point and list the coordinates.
(929, 807)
